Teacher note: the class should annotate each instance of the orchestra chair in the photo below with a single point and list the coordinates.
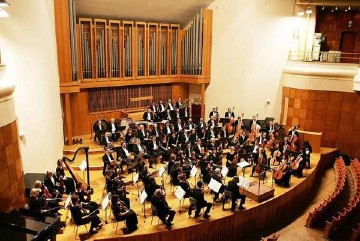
(226, 196)
(193, 204)
(154, 213)
(117, 221)
(76, 227)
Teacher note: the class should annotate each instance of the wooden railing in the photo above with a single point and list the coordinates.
(340, 173)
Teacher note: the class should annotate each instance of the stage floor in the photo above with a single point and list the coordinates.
(181, 218)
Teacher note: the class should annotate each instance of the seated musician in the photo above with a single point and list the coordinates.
(85, 199)
(68, 181)
(38, 205)
(185, 163)
(99, 131)
(210, 133)
(270, 129)
(154, 148)
(285, 174)
(223, 133)
(172, 142)
(154, 109)
(106, 140)
(168, 129)
(162, 110)
(174, 173)
(178, 103)
(229, 114)
(156, 132)
(198, 195)
(171, 162)
(243, 138)
(129, 135)
(216, 175)
(176, 116)
(148, 115)
(82, 218)
(200, 125)
(122, 212)
(212, 144)
(307, 150)
(168, 116)
(298, 165)
(197, 148)
(151, 187)
(53, 184)
(178, 126)
(164, 212)
(120, 191)
(234, 189)
(260, 161)
(108, 160)
(114, 130)
(230, 156)
(124, 156)
(142, 134)
(182, 138)
(215, 157)
(164, 149)
(46, 197)
(188, 150)
(276, 153)
(212, 122)
(233, 167)
(138, 148)
(193, 136)
(184, 184)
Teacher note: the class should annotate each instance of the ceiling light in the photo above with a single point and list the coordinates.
(3, 13)
(308, 11)
(4, 3)
(336, 8)
(349, 8)
(323, 8)
(301, 13)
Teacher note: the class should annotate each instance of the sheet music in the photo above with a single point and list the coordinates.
(214, 185)
(83, 165)
(67, 201)
(136, 178)
(161, 171)
(243, 164)
(193, 171)
(224, 171)
(105, 201)
(244, 182)
(143, 196)
(180, 193)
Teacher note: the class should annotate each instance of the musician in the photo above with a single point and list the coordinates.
(53, 184)
(163, 211)
(216, 175)
(298, 165)
(230, 156)
(151, 187)
(176, 115)
(154, 148)
(223, 133)
(174, 173)
(162, 109)
(178, 104)
(124, 156)
(229, 114)
(286, 175)
(171, 163)
(243, 138)
(85, 199)
(37, 206)
(154, 109)
(214, 113)
(184, 114)
(261, 139)
(155, 131)
(168, 116)
(129, 135)
(233, 167)
(60, 173)
(193, 136)
(197, 148)
(239, 123)
(138, 148)
(212, 122)
(122, 212)
(106, 140)
(164, 149)
(108, 159)
(81, 218)
(212, 144)
(292, 133)
(270, 128)
(254, 122)
(185, 185)
(260, 161)
(168, 128)
(170, 106)
(142, 134)
(307, 150)
(99, 131)
(189, 125)
(178, 126)
(172, 142)
(202, 134)
(198, 195)
(235, 193)
(210, 133)
(188, 150)
(47, 200)
(148, 115)
(113, 129)
(201, 125)
(215, 157)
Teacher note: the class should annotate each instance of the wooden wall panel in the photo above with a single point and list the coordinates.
(180, 90)
(336, 114)
(11, 172)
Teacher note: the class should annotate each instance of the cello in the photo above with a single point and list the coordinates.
(278, 174)
(230, 126)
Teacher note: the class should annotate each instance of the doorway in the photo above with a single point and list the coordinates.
(347, 47)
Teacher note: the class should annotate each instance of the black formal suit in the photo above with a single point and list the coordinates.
(242, 139)
(136, 149)
(178, 104)
(210, 134)
(52, 187)
(178, 127)
(223, 134)
(184, 114)
(170, 106)
(114, 129)
(188, 151)
(235, 193)
(228, 115)
(252, 122)
(153, 148)
(182, 138)
(163, 209)
(78, 215)
(99, 130)
(142, 135)
(197, 150)
(200, 202)
(213, 113)
(193, 138)
(148, 116)
(106, 160)
(212, 123)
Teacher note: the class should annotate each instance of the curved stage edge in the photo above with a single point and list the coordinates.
(270, 214)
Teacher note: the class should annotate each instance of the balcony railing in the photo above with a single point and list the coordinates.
(324, 56)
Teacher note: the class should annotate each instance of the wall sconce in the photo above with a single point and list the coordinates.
(350, 23)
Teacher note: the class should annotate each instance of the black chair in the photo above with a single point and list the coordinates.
(154, 213)
(227, 195)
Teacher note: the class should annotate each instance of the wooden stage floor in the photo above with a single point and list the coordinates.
(181, 218)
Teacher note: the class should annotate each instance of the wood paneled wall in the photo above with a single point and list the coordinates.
(336, 114)
(270, 214)
(333, 23)
(11, 171)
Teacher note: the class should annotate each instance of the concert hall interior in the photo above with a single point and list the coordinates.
(179, 120)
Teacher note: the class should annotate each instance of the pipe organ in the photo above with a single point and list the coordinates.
(116, 50)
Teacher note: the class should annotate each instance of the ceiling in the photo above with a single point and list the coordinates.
(162, 11)
(352, 3)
